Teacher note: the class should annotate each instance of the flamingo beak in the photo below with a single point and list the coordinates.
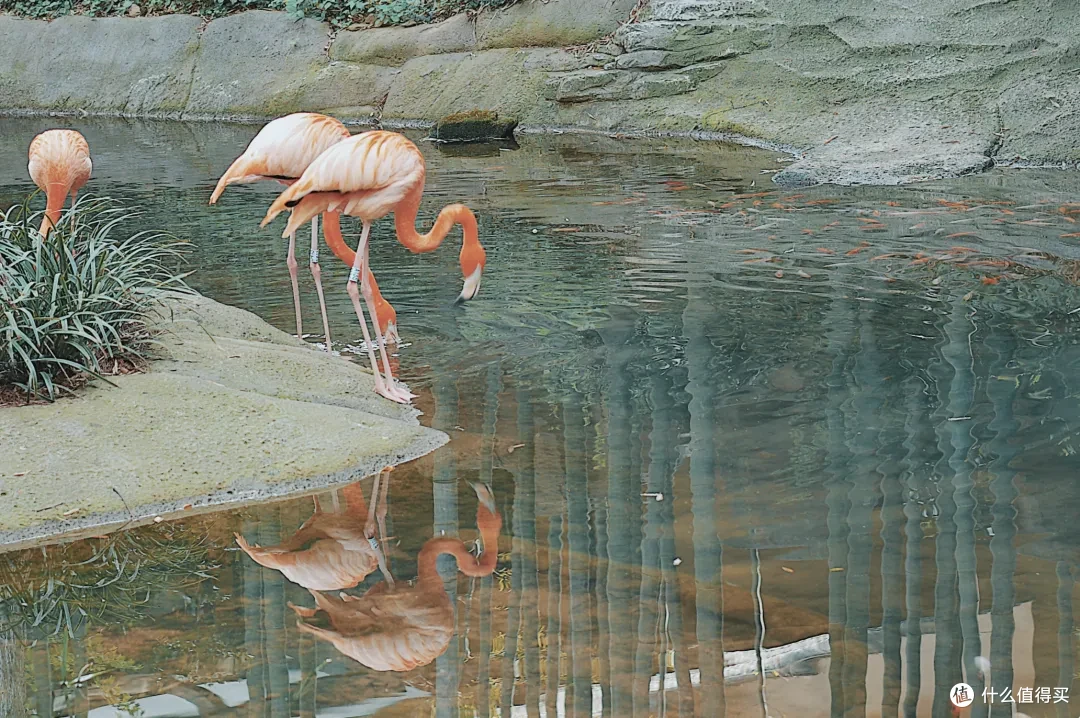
(483, 493)
(471, 286)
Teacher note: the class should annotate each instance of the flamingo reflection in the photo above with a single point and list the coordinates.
(333, 550)
(399, 628)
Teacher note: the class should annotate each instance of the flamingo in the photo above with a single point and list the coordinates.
(282, 150)
(59, 165)
(369, 176)
(398, 629)
(332, 551)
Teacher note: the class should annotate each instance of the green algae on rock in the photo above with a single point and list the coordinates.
(231, 410)
(474, 126)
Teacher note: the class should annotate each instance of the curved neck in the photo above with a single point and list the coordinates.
(405, 224)
(489, 525)
(334, 240)
(55, 194)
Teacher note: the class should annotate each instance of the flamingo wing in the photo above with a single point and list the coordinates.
(283, 149)
(366, 175)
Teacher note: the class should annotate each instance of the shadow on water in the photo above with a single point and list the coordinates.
(753, 453)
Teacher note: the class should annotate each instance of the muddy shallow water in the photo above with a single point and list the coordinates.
(755, 452)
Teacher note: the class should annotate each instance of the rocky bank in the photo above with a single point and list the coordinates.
(883, 92)
(230, 410)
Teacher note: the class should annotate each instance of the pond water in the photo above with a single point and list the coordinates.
(755, 452)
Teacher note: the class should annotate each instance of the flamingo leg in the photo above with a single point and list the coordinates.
(369, 528)
(316, 273)
(380, 512)
(291, 262)
(390, 392)
(369, 298)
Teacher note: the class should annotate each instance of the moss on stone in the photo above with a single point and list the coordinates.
(717, 121)
(474, 126)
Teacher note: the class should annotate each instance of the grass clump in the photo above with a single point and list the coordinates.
(74, 305)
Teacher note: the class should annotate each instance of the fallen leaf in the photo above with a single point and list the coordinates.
(892, 204)
(187, 507)
(21, 473)
(830, 139)
(804, 275)
(567, 229)
(826, 250)
(967, 297)
(70, 512)
(1071, 235)
(815, 202)
(991, 280)
(834, 569)
(751, 195)
(779, 274)
(854, 251)
(885, 256)
(787, 570)
(808, 231)
(954, 235)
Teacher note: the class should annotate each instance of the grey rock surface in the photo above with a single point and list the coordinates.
(957, 83)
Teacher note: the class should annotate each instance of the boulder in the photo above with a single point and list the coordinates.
(260, 63)
(504, 81)
(114, 64)
(395, 45)
(554, 23)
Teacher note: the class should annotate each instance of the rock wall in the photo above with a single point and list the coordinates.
(881, 92)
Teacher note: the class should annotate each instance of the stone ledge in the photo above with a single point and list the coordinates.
(231, 410)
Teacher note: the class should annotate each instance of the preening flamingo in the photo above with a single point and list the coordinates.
(369, 176)
(59, 165)
(332, 551)
(400, 628)
(281, 151)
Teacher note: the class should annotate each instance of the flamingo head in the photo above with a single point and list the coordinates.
(473, 258)
(386, 316)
